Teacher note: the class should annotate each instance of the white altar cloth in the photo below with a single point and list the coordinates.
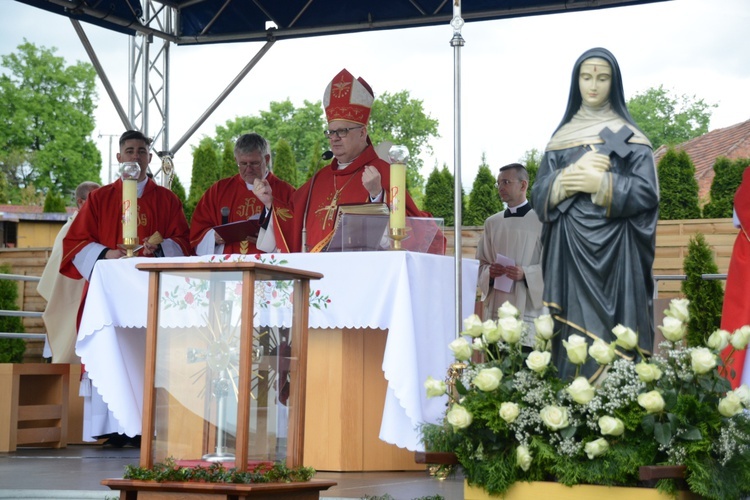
(409, 294)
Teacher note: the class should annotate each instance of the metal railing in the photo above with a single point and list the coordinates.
(22, 314)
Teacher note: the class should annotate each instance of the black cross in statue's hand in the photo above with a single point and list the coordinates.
(615, 142)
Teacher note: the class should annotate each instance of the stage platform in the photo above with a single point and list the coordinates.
(75, 472)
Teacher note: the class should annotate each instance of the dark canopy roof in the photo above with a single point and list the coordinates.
(214, 21)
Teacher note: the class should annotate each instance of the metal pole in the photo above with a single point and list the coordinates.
(457, 42)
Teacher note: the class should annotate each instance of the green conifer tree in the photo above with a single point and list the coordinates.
(53, 202)
(228, 165)
(727, 178)
(284, 164)
(438, 199)
(11, 350)
(706, 296)
(678, 189)
(205, 168)
(484, 200)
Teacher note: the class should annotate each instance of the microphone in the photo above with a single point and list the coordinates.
(327, 155)
(224, 215)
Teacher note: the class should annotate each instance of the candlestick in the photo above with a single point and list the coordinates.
(129, 172)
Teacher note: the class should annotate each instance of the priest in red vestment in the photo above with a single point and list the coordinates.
(355, 176)
(736, 311)
(233, 199)
(96, 233)
(97, 230)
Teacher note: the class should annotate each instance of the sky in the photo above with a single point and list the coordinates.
(514, 73)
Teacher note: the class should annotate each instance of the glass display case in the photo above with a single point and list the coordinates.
(225, 363)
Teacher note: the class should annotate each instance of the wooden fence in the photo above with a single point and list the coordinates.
(672, 238)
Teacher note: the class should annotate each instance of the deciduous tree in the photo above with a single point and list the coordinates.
(46, 120)
(669, 119)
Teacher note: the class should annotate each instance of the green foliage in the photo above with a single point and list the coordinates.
(531, 160)
(727, 178)
(284, 166)
(678, 189)
(178, 189)
(399, 119)
(204, 174)
(438, 199)
(706, 296)
(216, 473)
(53, 202)
(228, 163)
(11, 350)
(46, 121)
(301, 127)
(669, 119)
(484, 200)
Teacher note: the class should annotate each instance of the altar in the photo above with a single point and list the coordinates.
(380, 324)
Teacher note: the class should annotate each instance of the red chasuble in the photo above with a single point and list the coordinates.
(736, 310)
(242, 203)
(100, 221)
(330, 188)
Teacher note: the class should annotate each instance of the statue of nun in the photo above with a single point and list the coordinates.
(597, 195)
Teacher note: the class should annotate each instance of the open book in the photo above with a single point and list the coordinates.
(241, 230)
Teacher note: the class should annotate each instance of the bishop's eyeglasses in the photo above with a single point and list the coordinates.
(340, 132)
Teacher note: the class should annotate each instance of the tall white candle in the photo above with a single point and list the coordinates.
(398, 155)
(398, 196)
(129, 172)
(129, 208)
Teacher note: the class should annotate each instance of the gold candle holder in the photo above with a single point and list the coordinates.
(397, 234)
(130, 245)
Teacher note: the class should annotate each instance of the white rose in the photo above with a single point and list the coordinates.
(576, 348)
(507, 310)
(730, 405)
(647, 372)
(602, 352)
(473, 326)
(678, 309)
(435, 388)
(511, 329)
(458, 417)
(626, 338)
(538, 361)
(652, 401)
(490, 332)
(611, 426)
(488, 379)
(581, 391)
(478, 344)
(554, 417)
(718, 340)
(672, 328)
(702, 360)
(509, 412)
(743, 392)
(523, 458)
(595, 448)
(545, 326)
(741, 337)
(461, 349)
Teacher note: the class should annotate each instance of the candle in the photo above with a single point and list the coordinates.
(129, 174)
(398, 193)
(398, 155)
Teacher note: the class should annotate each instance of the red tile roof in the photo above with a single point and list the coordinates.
(29, 209)
(732, 142)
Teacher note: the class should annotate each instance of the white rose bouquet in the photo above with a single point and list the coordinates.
(511, 418)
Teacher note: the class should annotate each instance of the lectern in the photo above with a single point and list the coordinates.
(225, 363)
